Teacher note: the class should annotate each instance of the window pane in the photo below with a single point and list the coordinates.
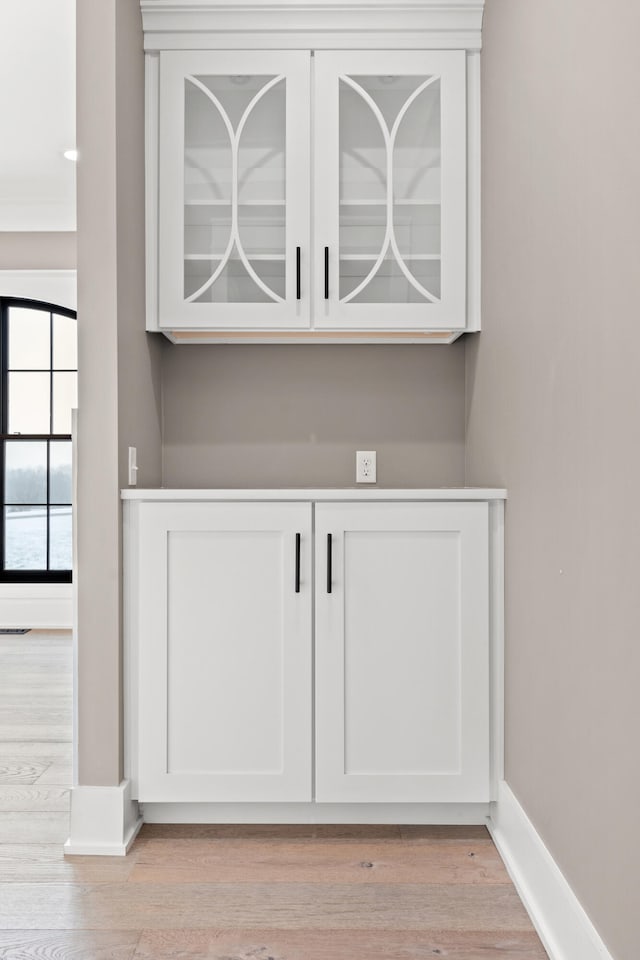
(25, 545)
(60, 467)
(29, 339)
(60, 542)
(65, 342)
(29, 402)
(25, 472)
(65, 397)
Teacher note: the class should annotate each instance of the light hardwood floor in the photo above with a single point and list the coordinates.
(229, 892)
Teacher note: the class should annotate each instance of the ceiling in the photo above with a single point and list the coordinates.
(37, 114)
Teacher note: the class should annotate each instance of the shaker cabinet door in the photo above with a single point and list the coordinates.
(234, 189)
(402, 652)
(390, 190)
(224, 661)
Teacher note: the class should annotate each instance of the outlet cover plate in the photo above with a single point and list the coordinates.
(366, 466)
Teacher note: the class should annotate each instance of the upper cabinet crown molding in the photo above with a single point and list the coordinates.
(196, 24)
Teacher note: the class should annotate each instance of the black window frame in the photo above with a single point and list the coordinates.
(6, 304)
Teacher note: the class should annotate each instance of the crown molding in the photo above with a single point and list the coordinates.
(193, 24)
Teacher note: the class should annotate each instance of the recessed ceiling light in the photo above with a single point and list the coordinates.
(71, 155)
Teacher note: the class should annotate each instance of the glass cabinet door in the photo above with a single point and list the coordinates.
(234, 189)
(391, 190)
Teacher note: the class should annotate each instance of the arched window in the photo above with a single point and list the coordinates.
(39, 372)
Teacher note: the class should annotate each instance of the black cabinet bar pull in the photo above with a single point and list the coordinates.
(329, 574)
(298, 273)
(298, 556)
(326, 273)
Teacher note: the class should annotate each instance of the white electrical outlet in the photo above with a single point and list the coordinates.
(366, 466)
(133, 466)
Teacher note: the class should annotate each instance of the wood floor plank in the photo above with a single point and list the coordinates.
(133, 906)
(36, 672)
(34, 827)
(354, 831)
(36, 661)
(68, 945)
(328, 831)
(27, 717)
(47, 648)
(57, 773)
(36, 731)
(34, 749)
(337, 945)
(35, 666)
(317, 861)
(45, 862)
(42, 697)
(268, 831)
(45, 640)
(15, 770)
(444, 832)
(15, 713)
(19, 797)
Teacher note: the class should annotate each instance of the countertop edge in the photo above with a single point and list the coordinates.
(318, 494)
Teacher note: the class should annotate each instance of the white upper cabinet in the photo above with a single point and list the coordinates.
(303, 183)
(234, 190)
(390, 190)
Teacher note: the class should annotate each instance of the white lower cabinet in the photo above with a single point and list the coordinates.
(402, 652)
(224, 652)
(224, 695)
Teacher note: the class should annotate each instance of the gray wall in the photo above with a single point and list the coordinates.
(118, 375)
(552, 414)
(139, 353)
(28, 250)
(295, 415)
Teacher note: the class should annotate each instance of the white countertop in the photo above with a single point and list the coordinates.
(369, 492)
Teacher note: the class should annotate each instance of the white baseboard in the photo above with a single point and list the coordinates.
(563, 926)
(104, 821)
(36, 606)
(422, 813)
